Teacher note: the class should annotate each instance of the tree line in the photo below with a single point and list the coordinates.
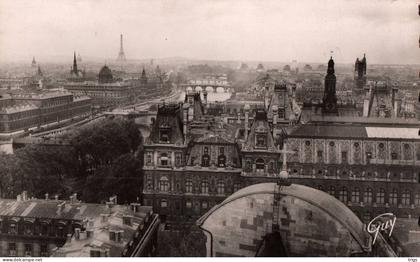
(103, 159)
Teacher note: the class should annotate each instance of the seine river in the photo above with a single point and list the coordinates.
(211, 97)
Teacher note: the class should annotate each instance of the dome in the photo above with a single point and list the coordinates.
(310, 221)
(105, 75)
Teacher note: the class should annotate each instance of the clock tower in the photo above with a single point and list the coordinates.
(329, 106)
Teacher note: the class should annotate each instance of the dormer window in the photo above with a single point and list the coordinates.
(260, 165)
(127, 220)
(164, 136)
(261, 140)
(205, 160)
(281, 113)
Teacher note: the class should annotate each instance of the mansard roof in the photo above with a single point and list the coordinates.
(260, 126)
(212, 138)
(168, 117)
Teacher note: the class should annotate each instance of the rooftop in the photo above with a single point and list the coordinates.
(353, 131)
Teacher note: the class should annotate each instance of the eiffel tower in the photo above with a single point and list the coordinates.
(121, 55)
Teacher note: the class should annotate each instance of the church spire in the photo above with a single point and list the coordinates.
(74, 63)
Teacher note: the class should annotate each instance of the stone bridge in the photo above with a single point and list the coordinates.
(215, 86)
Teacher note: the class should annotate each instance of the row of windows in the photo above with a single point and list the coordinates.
(31, 229)
(361, 174)
(164, 186)
(188, 204)
(260, 165)
(356, 196)
(357, 144)
(12, 250)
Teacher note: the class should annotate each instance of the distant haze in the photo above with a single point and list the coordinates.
(258, 30)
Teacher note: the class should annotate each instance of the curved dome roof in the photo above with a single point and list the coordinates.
(306, 199)
(105, 75)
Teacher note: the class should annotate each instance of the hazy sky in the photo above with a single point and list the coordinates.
(260, 30)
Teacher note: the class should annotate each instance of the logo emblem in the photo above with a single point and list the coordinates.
(384, 222)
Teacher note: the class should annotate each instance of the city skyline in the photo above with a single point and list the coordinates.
(211, 30)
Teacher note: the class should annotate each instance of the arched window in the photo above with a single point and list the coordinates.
(220, 187)
(355, 195)
(380, 196)
(367, 197)
(164, 184)
(260, 165)
(405, 198)
(188, 186)
(205, 187)
(343, 197)
(320, 187)
(393, 197)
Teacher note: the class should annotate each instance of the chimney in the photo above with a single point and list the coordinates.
(56, 197)
(19, 198)
(239, 118)
(77, 233)
(46, 196)
(135, 207)
(68, 238)
(24, 195)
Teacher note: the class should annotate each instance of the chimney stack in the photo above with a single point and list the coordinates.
(46, 196)
(24, 195)
(77, 233)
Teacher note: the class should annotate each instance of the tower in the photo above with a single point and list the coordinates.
(121, 55)
(74, 71)
(329, 105)
(33, 62)
(143, 78)
(360, 72)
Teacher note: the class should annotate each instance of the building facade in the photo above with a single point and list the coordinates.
(32, 110)
(106, 92)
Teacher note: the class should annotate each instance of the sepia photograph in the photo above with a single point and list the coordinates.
(209, 128)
